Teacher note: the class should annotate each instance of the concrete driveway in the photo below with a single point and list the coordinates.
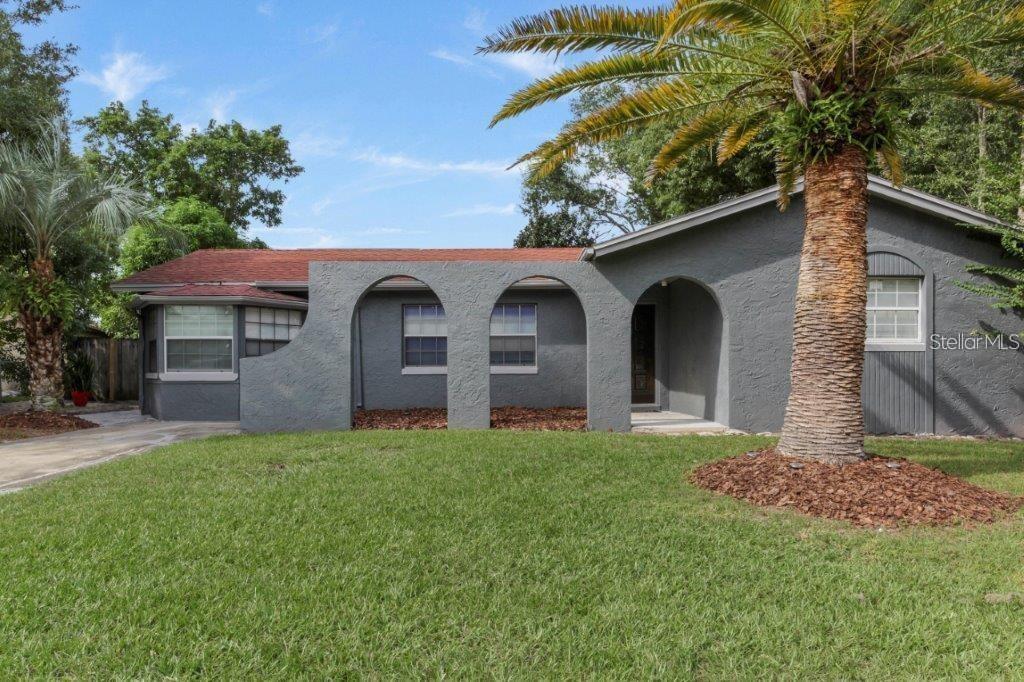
(25, 462)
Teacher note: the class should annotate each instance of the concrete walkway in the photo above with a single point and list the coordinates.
(672, 423)
(26, 462)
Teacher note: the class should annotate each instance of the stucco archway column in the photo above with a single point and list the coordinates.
(469, 369)
(608, 357)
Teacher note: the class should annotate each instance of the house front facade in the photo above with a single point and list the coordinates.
(692, 316)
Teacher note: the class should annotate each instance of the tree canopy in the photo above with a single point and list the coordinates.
(226, 165)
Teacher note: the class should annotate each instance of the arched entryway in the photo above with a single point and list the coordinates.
(538, 355)
(678, 359)
(400, 349)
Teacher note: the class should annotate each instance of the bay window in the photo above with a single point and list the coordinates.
(268, 329)
(199, 338)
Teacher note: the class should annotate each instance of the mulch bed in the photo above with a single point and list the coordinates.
(875, 492)
(548, 419)
(30, 423)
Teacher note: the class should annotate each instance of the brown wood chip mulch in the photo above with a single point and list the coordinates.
(549, 419)
(40, 423)
(876, 492)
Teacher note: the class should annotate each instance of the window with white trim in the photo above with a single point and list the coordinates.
(268, 329)
(514, 335)
(424, 335)
(894, 310)
(199, 338)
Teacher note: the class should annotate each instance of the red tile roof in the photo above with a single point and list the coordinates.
(231, 290)
(271, 265)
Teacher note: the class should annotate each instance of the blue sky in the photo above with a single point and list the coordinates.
(384, 102)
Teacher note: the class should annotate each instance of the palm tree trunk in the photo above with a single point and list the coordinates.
(824, 415)
(43, 336)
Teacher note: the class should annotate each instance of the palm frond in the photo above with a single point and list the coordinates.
(692, 70)
(574, 29)
(892, 161)
(740, 17)
(700, 130)
(638, 109)
(740, 134)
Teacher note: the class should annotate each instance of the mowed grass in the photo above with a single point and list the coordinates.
(494, 554)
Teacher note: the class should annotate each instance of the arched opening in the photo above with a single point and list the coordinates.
(678, 363)
(538, 357)
(399, 356)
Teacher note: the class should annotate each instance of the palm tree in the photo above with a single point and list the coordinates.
(46, 194)
(822, 82)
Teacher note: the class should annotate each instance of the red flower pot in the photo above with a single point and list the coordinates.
(80, 398)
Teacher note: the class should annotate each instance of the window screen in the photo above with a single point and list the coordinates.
(199, 338)
(514, 335)
(894, 309)
(424, 335)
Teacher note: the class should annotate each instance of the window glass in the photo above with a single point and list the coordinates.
(424, 335)
(894, 309)
(269, 329)
(514, 335)
(199, 338)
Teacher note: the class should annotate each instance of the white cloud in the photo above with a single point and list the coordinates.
(532, 64)
(219, 103)
(447, 56)
(126, 75)
(408, 163)
(475, 21)
(266, 9)
(307, 144)
(323, 32)
(481, 209)
(322, 205)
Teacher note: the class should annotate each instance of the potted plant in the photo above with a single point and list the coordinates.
(79, 370)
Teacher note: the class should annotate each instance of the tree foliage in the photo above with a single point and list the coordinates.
(32, 78)
(812, 76)
(184, 226)
(226, 165)
(602, 192)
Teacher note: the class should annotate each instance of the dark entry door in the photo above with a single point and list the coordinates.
(643, 355)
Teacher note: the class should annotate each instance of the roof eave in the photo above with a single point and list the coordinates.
(921, 201)
(143, 301)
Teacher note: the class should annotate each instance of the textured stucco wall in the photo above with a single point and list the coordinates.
(975, 392)
(308, 384)
(747, 262)
(695, 339)
(561, 378)
(383, 384)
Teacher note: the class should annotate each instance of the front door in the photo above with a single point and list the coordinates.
(643, 355)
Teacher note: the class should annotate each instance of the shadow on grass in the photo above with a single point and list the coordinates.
(963, 458)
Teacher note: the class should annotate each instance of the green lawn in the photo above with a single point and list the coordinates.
(494, 554)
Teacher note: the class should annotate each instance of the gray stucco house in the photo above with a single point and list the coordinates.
(693, 315)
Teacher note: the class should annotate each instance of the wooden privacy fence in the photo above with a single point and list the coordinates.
(117, 367)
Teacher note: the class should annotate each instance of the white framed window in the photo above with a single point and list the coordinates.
(268, 329)
(514, 338)
(894, 310)
(199, 341)
(424, 338)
